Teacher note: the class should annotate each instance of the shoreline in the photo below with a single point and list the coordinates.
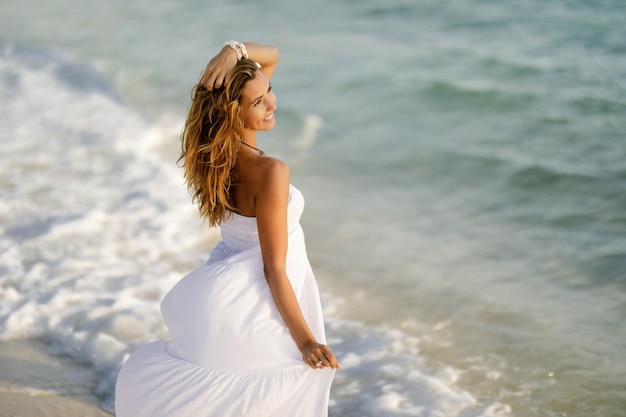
(34, 383)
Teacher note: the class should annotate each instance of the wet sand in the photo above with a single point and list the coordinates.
(34, 383)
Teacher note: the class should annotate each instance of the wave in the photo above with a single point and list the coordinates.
(404, 11)
(607, 269)
(599, 105)
(477, 97)
(542, 178)
(516, 70)
(84, 201)
(77, 76)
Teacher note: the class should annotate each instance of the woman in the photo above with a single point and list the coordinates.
(247, 335)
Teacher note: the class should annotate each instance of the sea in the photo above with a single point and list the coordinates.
(463, 164)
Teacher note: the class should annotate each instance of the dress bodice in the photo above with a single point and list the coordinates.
(240, 232)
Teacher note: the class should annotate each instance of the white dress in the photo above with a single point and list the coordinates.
(230, 352)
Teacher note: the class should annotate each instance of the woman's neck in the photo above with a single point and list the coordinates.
(249, 136)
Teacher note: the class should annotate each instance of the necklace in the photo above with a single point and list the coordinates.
(256, 149)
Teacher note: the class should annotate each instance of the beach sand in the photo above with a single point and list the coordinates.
(34, 383)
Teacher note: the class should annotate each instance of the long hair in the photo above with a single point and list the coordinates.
(211, 139)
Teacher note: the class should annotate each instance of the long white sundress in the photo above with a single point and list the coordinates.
(230, 352)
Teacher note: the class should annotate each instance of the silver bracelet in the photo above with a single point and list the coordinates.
(239, 48)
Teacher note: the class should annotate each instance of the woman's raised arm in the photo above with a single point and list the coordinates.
(220, 66)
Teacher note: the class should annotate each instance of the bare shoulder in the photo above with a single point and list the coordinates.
(275, 170)
(274, 173)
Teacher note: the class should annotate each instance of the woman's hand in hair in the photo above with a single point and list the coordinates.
(219, 68)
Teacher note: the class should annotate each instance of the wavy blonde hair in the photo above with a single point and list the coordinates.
(211, 139)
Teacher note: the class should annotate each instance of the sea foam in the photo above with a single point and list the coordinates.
(95, 228)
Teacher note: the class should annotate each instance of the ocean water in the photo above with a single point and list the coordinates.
(464, 166)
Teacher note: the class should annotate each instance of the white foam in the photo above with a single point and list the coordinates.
(31, 392)
(95, 229)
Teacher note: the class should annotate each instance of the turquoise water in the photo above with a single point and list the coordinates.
(463, 164)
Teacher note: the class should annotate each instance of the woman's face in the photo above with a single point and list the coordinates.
(258, 104)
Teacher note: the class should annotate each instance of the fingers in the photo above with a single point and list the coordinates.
(214, 78)
(329, 358)
(321, 357)
(219, 82)
(313, 363)
(218, 69)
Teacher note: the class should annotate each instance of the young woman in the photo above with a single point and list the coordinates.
(247, 333)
